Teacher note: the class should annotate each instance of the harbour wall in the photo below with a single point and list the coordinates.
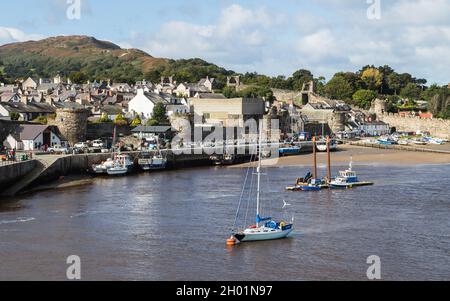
(80, 164)
(437, 127)
(12, 172)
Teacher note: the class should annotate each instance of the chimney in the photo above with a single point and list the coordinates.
(41, 81)
(140, 91)
(171, 79)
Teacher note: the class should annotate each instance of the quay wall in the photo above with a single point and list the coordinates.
(437, 127)
(12, 172)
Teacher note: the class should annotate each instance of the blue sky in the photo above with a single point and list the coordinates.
(268, 36)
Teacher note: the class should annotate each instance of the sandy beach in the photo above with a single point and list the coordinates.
(363, 156)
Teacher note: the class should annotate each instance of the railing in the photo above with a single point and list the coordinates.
(10, 162)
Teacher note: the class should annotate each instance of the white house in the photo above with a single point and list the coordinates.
(30, 137)
(374, 128)
(143, 103)
(30, 83)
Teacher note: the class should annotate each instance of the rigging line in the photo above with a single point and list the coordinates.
(249, 196)
(241, 197)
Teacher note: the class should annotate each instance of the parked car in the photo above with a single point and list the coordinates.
(81, 145)
(98, 143)
(58, 149)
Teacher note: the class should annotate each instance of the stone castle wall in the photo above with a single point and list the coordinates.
(437, 127)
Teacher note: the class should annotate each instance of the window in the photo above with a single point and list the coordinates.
(207, 115)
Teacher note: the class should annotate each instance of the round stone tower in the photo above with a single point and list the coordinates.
(379, 107)
(338, 122)
(72, 124)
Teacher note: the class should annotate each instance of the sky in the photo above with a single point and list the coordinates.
(273, 37)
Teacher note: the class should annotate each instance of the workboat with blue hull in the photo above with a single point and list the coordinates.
(290, 150)
(348, 179)
(265, 228)
(308, 183)
(148, 162)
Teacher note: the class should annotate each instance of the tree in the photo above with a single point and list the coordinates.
(104, 118)
(338, 88)
(300, 77)
(152, 122)
(394, 82)
(41, 120)
(229, 92)
(373, 78)
(432, 91)
(364, 98)
(78, 77)
(120, 120)
(160, 114)
(439, 104)
(14, 116)
(411, 92)
(136, 121)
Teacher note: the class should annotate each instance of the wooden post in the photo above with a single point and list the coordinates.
(315, 158)
(329, 159)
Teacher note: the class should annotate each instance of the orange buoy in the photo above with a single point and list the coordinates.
(231, 241)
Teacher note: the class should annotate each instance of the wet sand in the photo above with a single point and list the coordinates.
(363, 156)
(65, 182)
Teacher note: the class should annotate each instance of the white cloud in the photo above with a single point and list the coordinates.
(237, 39)
(419, 11)
(11, 35)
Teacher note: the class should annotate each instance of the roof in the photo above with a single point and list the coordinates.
(156, 98)
(203, 81)
(210, 96)
(28, 131)
(111, 109)
(47, 86)
(67, 105)
(33, 107)
(153, 129)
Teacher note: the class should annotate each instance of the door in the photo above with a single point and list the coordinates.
(46, 137)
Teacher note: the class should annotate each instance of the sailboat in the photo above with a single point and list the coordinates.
(265, 228)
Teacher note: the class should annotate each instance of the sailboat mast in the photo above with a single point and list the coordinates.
(258, 171)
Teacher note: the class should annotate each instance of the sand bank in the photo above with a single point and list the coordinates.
(364, 156)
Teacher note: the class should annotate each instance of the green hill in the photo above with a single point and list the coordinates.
(96, 60)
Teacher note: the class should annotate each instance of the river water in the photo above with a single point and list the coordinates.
(173, 226)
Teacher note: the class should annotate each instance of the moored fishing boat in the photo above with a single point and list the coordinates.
(117, 170)
(348, 179)
(145, 160)
(290, 150)
(387, 141)
(158, 162)
(103, 167)
(322, 145)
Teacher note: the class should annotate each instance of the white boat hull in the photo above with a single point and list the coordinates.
(323, 148)
(247, 236)
(117, 171)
